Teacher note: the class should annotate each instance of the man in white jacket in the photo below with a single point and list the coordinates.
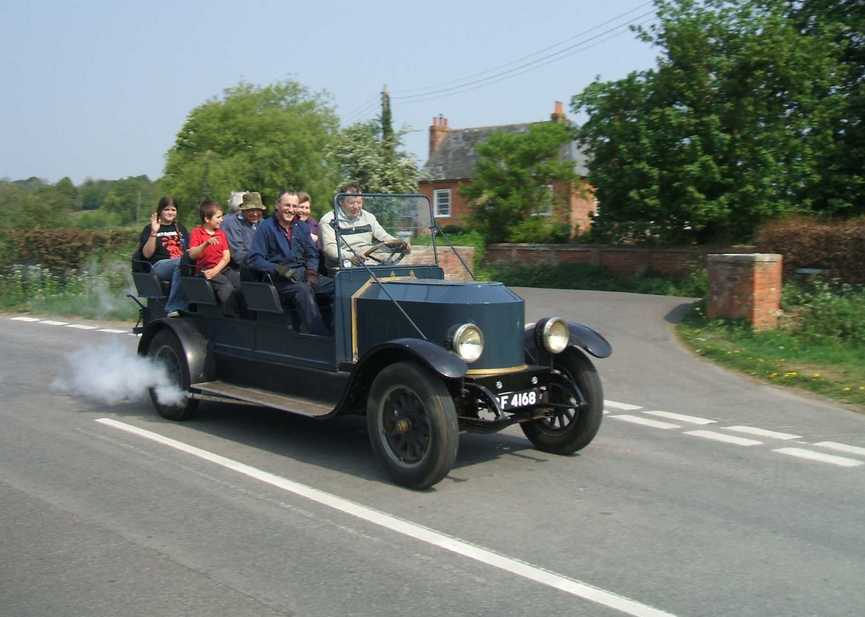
(359, 230)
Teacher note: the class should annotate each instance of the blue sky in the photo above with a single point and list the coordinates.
(100, 89)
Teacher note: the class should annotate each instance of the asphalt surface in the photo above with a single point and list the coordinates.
(99, 521)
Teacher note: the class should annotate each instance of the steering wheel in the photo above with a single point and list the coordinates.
(394, 256)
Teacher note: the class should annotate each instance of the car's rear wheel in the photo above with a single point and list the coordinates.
(412, 425)
(570, 427)
(170, 399)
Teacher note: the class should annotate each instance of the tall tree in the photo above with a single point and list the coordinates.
(388, 138)
(379, 167)
(726, 132)
(512, 179)
(265, 139)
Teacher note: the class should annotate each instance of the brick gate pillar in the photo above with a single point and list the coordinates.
(746, 286)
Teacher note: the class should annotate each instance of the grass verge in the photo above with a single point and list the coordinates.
(93, 293)
(828, 366)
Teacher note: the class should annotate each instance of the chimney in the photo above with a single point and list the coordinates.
(438, 130)
(558, 114)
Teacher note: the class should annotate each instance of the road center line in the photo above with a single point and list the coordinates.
(645, 421)
(407, 528)
(112, 331)
(622, 406)
(841, 447)
(738, 441)
(680, 417)
(27, 319)
(841, 461)
(761, 432)
(49, 322)
(79, 326)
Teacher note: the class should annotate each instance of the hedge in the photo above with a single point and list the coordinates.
(62, 249)
(838, 247)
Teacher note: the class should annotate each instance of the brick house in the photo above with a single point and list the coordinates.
(452, 157)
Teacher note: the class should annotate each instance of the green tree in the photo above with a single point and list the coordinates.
(842, 186)
(388, 137)
(67, 192)
(727, 131)
(25, 208)
(512, 179)
(254, 138)
(130, 200)
(92, 193)
(364, 156)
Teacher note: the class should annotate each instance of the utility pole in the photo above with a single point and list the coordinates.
(138, 208)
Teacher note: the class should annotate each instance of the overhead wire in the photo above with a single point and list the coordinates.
(469, 84)
(531, 65)
(408, 92)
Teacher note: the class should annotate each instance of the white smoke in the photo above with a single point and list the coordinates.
(111, 373)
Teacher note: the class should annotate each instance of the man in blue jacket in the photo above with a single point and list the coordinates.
(282, 248)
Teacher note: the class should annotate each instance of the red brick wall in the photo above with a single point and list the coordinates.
(449, 262)
(626, 261)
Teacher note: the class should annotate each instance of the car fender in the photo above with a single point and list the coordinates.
(447, 365)
(582, 337)
(193, 342)
(435, 357)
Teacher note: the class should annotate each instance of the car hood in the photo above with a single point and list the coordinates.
(437, 307)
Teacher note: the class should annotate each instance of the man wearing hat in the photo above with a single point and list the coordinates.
(240, 227)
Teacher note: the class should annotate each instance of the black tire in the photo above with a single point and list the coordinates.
(412, 425)
(568, 430)
(167, 350)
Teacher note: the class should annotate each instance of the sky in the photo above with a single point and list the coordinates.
(100, 89)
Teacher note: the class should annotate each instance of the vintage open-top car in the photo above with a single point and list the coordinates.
(422, 357)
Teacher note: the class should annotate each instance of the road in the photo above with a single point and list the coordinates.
(704, 494)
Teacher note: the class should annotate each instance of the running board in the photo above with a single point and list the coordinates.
(283, 402)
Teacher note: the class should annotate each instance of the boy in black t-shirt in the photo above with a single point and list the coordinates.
(162, 243)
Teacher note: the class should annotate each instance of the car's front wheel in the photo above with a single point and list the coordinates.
(170, 398)
(412, 424)
(569, 427)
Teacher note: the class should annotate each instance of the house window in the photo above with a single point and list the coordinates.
(545, 206)
(442, 203)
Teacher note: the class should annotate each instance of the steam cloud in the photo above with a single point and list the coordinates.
(112, 373)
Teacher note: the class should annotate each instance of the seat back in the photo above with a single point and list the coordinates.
(147, 285)
(260, 296)
(198, 290)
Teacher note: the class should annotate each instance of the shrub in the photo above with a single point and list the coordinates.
(539, 230)
(453, 229)
(64, 249)
(836, 246)
(824, 312)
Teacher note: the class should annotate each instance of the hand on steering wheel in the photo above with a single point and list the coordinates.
(398, 249)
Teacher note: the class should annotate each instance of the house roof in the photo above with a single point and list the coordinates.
(456, 155)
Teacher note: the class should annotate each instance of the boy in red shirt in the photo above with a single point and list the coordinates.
(208, 246)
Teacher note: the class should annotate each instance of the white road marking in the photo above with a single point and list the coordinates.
(407, 528)
(645, 421)
(841, 461)
(841, 447)
(680, 417)
(79, 326)
(48, 322)
(738, 441)
(622, 406)
(761, 432)
(112, 331)
(25, 319)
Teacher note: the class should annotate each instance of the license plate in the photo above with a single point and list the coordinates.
(523, 398)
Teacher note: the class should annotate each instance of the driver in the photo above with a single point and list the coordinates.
(358, 229)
